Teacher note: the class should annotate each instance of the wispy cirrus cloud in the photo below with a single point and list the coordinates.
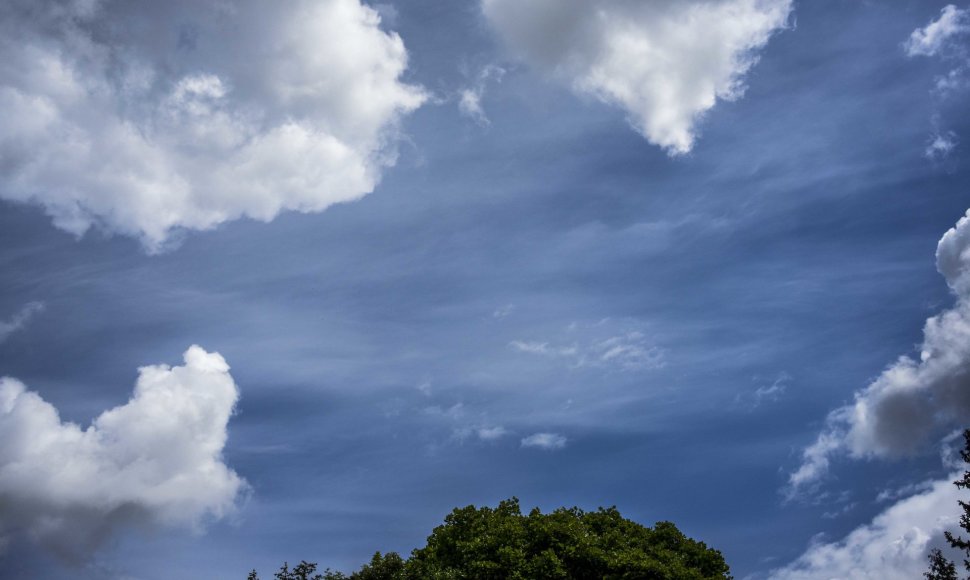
(470, 97)
(605, 345)
(767, 392)
(19, 320)
(545, 441)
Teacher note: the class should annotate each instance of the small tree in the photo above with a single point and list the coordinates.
(302, 571)
(940, 567)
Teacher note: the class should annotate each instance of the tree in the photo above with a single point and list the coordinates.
(940, 567)
(302, 571)
(501, 543)
(385, 567)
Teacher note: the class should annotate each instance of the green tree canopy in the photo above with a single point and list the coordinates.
(503, 544)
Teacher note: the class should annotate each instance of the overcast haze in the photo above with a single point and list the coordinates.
(288, 281)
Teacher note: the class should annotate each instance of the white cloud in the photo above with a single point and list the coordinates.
(604, 345)
(491, 433)
(543, 348)
(935, 37)
(944, 38)
(766, 393)
(547, 441)
(453, 413)
(265, 108)
(893, 494)
(941, 145)
(628, 352)
(389, 13)
(483, 432)
(815, 462)
(504, 311)
(425, 388)
(470, 105)
(20, 319)
(893, 546)
(773, 391)
(470, 98)
(954, 81)
(912, 400)
(664, 62)
(157, 458)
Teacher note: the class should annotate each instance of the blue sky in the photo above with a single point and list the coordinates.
(475, 274)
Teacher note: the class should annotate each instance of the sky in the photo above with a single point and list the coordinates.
(285, 281)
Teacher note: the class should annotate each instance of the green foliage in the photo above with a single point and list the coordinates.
(503, 544)
(385, 567)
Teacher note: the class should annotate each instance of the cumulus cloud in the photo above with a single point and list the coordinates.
(914, 399)
(19, 320)
(938, 36)
(149, 118)
(604, 345)
(547, 441)
(893, 546)
(155, 459)
(665, 62)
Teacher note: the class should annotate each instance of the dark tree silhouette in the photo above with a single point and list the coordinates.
(302, 571)
(940, 567)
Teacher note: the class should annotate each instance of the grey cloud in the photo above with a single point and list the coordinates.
(914, 399)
